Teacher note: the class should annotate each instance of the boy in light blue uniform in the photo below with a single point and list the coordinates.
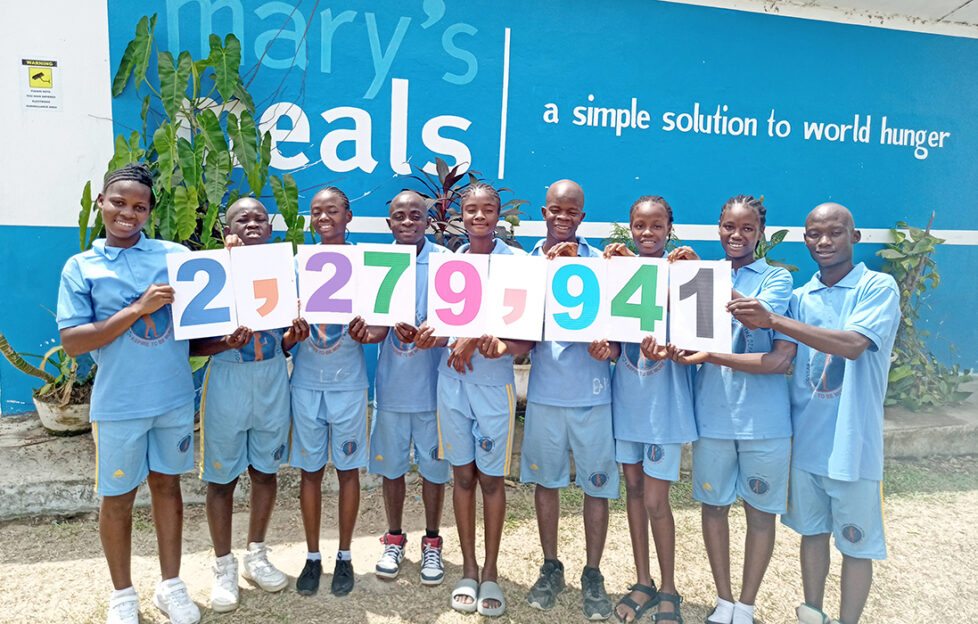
(329, 415)
(569, 409)
(114, 302)
(244, 425)
(405, 397)
(845, 321)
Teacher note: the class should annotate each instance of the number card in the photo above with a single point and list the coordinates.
(264, 285)
(516, 294)
(698, 296)
(574, 308)
(456, 284)
(203, 300)
(636, 302)
(385, 284)
(326, 287)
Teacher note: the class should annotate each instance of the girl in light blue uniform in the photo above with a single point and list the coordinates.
(743, 417)
(652, 412)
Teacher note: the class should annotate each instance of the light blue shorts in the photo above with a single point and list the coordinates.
(391, 434)
(476, 423)
(551, 431)
(851, 510)
(755, 470)
(245, 418)
(329, 422)
(659, 461)
(126, 450)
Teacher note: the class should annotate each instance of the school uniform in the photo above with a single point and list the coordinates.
(652, 412)
(142, 407)
(406, 396)
(245, 414)
(837, 412)
(569, 409)
(476, 409)
(744, 422)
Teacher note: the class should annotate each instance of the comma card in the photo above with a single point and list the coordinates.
(574, 300)
(456, 289)
(386, 284)
(326, 286)
(698, 295)
(203, 300)
(264, 285)
(636, 303)
(516, 296)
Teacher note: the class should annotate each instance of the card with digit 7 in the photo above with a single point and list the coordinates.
(326, 286)
(203, 300)
(516, 296)
(264, 285)
(698, 295)
(456, 288)
(385, 284)
(636, 301)
(574, 300)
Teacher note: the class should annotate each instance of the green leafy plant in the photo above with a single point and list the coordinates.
(443, 196)
(62, 388)
(917, 380)
(190, 110)
(622, 234)
(764, 246)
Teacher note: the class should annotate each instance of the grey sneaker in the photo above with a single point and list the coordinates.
(597, 605)
(543, 594)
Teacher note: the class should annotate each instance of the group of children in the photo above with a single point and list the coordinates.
(808, 447)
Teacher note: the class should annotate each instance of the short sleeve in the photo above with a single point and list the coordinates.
(876, 312)
(791, 312)
(776, 291)
(74, 298)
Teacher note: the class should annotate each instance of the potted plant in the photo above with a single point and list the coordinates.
(62, 402)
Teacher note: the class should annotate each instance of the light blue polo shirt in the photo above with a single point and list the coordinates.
(407, 377)
(264, 345)
(652, 402)
(486, 372)
(329, 360)
(564, 373)
(837, 403)
(144, 372)
(733, 405)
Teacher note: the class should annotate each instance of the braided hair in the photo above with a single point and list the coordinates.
(651, 199)
(133, 172)
(747, 200)
(477, 187)
(342, 195)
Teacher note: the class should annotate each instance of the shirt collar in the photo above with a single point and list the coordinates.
(111, 253)
(582, 246)
(758, 266)
(851, 280)
(497, 246)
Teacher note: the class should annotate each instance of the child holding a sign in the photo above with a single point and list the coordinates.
(329, 415)
(114, 302)
(652, 408)
(569, 409)
(845, 320)
(244, 423)
(476, 410)
(742, 413)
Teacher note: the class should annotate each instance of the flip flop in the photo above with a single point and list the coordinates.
(465, 587)
(491, 591)
(638, 609)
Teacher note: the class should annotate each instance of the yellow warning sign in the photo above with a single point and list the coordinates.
(41, 86)
(40, 78)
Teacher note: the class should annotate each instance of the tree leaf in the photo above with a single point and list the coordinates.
(143, 48)
(244, 143)
(442, 168)
(125, 69)
(185, 212)
(778, 236)
(173, 81)
(187, 160)
(243, 96)
(84, 214)
(165, 141)
(210, 127)
(226, 61)
(217, 168)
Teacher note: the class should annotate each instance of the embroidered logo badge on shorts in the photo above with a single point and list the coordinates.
(434, 452)
(277, 455)
(598, 479)
(758, 485)
(184, 444)
(349, 447)
(655, 453)
(486, 444)
(852, 533)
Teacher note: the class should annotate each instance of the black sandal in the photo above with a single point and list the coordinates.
(638, 609)
(675, 616)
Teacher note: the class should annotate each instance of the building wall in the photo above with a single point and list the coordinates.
(501, 87)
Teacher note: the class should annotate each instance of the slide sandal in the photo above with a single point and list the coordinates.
(465, 587)
(491, 591)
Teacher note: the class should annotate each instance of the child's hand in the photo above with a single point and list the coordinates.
(600, 350)
(685, 356)
(682, 253)
(425, 338)
(299, 331)
(461, 356)
(750, 312)
(154, 298)
(405, 333)
(617, 249)
(238, 338)
(491, 347)
(358, 329)
(562, 250)
(232, 240)
(652, 350)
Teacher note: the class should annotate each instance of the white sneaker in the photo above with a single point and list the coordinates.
(172, 599)
(224, 591)
(432, 568)
(389, 563)
(810, 615)
(124, 609)
(260, 571)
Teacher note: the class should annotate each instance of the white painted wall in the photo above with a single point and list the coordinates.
(49, 155)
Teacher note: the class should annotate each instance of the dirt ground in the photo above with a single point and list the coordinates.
(53, 571)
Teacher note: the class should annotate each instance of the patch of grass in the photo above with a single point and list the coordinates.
(929, 475)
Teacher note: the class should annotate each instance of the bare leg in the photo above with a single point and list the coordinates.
(311, 503)
(115, 529)
(167, 500)
(857, 579)
(349, 504)
(264, 488)
(220, 506)
(758, 548)
(595, 528)
(664, 534)
(394, 502)
(463, 499)
(433, 496)
(716, 537)
(814, 568)
(547, 503)
(638, 531)
(494, 514)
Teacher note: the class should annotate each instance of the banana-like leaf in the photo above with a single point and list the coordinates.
(210, 127)
(226, 60)
(125, 69)
(187, 161)
(97, 229)
(243, 96)
(165, 140)
(286, 194)
(143, 114)
(84, 214)
(207, 240)
(173, 80)
(143, 49)
(217, 168)
(185, 211)
(168, 217)
(244, 144)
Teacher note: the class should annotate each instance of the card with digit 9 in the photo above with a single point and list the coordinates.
(574, 300)
(456, 288)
